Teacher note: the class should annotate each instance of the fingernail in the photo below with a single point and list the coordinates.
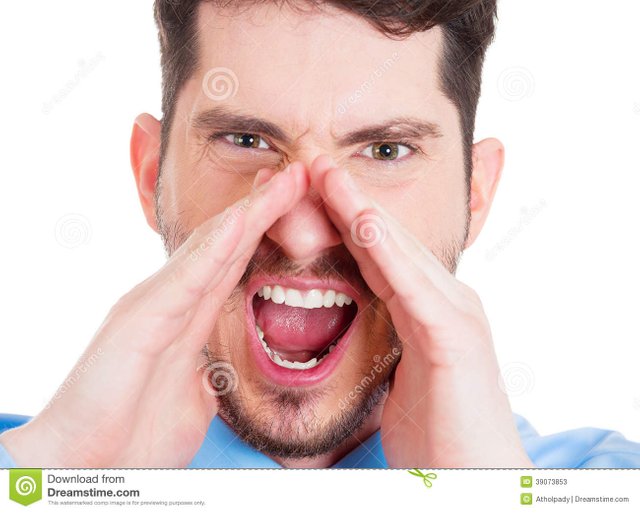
(266, 184)
(331, 163)
(258, 180)
(288, 169)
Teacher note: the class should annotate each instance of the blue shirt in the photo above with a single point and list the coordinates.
(576, 448)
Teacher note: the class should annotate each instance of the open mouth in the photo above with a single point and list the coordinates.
(301, 329)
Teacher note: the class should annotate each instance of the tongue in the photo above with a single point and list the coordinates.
(290, 329)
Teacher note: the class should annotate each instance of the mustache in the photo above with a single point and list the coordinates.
(336, 263)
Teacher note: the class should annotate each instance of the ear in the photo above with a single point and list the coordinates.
(487, 164)
(145, 157)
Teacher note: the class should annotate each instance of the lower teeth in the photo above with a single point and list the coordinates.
(275, 357)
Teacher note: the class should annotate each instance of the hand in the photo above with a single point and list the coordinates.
(142, 402)
(445, 407)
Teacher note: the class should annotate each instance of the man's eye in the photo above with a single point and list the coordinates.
(246, 140)
(388, 150)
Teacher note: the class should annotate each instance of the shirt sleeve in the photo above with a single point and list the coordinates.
(612, 451)
(9, 421)
(5, 460)
(585, 447)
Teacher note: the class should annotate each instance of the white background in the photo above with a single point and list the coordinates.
(556, 265)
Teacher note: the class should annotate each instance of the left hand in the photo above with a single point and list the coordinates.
(445, 407)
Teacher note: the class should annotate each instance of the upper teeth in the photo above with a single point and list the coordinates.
(313, 298)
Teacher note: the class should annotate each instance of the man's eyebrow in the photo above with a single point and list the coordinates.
(392, 130)
(224, 120)
(404, 127)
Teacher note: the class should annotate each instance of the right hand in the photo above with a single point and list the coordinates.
(142, 402)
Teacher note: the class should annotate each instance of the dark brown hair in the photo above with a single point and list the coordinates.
(468, 28)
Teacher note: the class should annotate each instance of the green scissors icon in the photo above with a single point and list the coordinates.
(426, 478)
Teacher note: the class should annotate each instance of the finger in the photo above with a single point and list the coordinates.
(370, 233)
(263, 176)
(421, 256)
(201, 323)
(335, 184)
(201, 262)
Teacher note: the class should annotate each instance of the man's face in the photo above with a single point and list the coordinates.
(318, 77)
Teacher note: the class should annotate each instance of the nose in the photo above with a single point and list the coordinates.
(306, 231)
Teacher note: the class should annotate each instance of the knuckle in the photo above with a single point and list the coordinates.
(121, 305)
(471, 301)
(469, 292)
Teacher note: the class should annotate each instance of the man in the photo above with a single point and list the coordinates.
(314, 180)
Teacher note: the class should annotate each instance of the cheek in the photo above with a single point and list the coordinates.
(222, 157)
(229, 337)
(210, 191)
(202, 184)
(432, 208)
(212, 196)
(373, 339)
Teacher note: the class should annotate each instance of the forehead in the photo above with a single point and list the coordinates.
(323, 65)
